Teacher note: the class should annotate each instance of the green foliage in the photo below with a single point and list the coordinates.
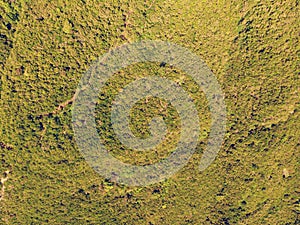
(253, 49)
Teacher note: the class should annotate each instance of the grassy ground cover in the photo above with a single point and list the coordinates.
(251, 46)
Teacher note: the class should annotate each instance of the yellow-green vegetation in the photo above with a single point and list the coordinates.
(251, 46)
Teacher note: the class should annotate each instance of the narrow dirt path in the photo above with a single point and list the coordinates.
(61, 106)
(3, 180)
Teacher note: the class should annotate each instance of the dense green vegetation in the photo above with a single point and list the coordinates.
(251, 46)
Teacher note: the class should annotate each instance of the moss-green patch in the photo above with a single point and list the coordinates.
(253, 49)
